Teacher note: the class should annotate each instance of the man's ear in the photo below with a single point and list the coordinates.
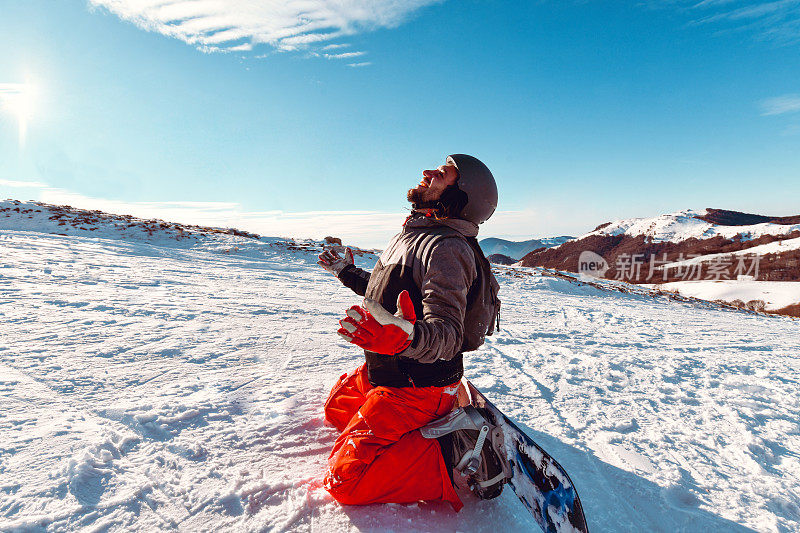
(453, 200)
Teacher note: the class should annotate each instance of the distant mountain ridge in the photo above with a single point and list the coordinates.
(500, 259)
(703, 224)
(735, 218)
(518, 250)
(665, 243)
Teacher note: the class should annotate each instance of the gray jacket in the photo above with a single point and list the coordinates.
(435, 261)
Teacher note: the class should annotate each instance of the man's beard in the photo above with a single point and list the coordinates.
(416, 195)
(420, 199)
(448, 204)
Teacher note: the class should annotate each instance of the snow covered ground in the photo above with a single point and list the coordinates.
(775, 247)
(775, 294)
(148, 385)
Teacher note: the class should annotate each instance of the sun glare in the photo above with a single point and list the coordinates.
(16, 99)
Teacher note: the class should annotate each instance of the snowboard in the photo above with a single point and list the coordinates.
(537, 479)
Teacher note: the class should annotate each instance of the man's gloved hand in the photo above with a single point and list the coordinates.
(375, 329)
(333, 263)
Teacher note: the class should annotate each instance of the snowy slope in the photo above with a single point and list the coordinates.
(151, 386)
(775, 294)
(682, 225)
(66, 220)
(775, 247)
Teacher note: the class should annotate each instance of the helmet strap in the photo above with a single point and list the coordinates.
(428, 209)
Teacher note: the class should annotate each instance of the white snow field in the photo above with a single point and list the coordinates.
(775, 294)
(154, 384)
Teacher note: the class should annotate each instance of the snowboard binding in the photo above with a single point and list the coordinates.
(473, 447)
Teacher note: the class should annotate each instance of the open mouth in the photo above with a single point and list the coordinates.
(426, 180)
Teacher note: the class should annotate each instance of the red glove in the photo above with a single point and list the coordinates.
(375, 329)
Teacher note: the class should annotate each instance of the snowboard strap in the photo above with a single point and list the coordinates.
(490, 482)
(471, 461)
(464, 418)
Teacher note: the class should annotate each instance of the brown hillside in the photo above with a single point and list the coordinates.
(723, 217)
(500, 259)
(613, 248)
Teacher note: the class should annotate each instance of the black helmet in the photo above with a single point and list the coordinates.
(476, 180)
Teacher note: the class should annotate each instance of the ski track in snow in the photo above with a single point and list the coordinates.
(149, 387)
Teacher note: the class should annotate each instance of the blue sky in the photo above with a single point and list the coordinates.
(256, 115)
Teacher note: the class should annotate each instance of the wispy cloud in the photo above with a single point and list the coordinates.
(774, 20)
(13, 96)
(11, 89)
(344, 55)
(369, 229)
(359, 65)
(242, 25)
(22, 184)
(779, 105)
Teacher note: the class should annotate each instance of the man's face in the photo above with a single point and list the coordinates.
(433, 184)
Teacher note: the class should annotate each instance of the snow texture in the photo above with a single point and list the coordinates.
(775, 247)
(682, 225)
(161, 383)
(775, 294)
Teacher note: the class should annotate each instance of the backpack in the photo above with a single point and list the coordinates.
(483, 304)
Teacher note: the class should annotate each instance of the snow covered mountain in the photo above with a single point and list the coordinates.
(516, 250)
(149, 382)
(703, 224)
(690, 247)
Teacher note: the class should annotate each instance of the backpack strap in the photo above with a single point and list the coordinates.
(485, 268)
(485, 279)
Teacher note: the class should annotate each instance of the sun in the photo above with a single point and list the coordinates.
(17, 99)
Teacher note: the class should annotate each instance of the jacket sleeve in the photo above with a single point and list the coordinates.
(355, 279)
(448, 275)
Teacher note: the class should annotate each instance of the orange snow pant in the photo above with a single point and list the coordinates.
(380, 456)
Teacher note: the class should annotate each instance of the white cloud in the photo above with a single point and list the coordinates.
(525, 224)
(368, 229)
(776, 20)
(344, 55)
(362, 228)
(246, 47)
(779, 105)
(22, 184)
(15, 98)
(359, 65)
(11, 89)
(239, 25)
